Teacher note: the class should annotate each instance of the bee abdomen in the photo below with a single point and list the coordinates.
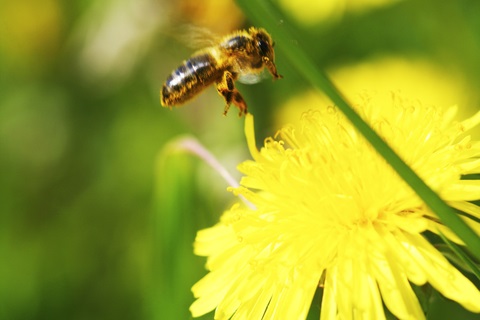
(189, 79)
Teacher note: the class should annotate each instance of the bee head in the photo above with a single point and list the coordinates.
(264, 44)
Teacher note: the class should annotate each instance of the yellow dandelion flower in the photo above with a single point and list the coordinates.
(326, 209)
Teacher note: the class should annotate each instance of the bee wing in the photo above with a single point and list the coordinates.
(196, 37)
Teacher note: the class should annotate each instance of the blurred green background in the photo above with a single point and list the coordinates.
(97, 216)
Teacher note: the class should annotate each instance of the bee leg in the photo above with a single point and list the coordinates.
(226, 88)
(239, 103)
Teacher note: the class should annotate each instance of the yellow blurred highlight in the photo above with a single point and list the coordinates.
(220, 16)
(309, 13)
(30, 30)
(414, 79)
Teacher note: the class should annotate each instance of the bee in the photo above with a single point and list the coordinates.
(242, 54)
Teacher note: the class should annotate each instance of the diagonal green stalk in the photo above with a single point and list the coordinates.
(264, 13)
(461, 255)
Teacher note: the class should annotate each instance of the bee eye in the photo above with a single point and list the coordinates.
(264, 47)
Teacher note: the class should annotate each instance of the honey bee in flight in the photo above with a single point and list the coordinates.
(240, 54)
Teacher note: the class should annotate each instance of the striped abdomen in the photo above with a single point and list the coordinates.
(194, 75)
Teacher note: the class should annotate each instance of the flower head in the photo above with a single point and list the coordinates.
(329, 211)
